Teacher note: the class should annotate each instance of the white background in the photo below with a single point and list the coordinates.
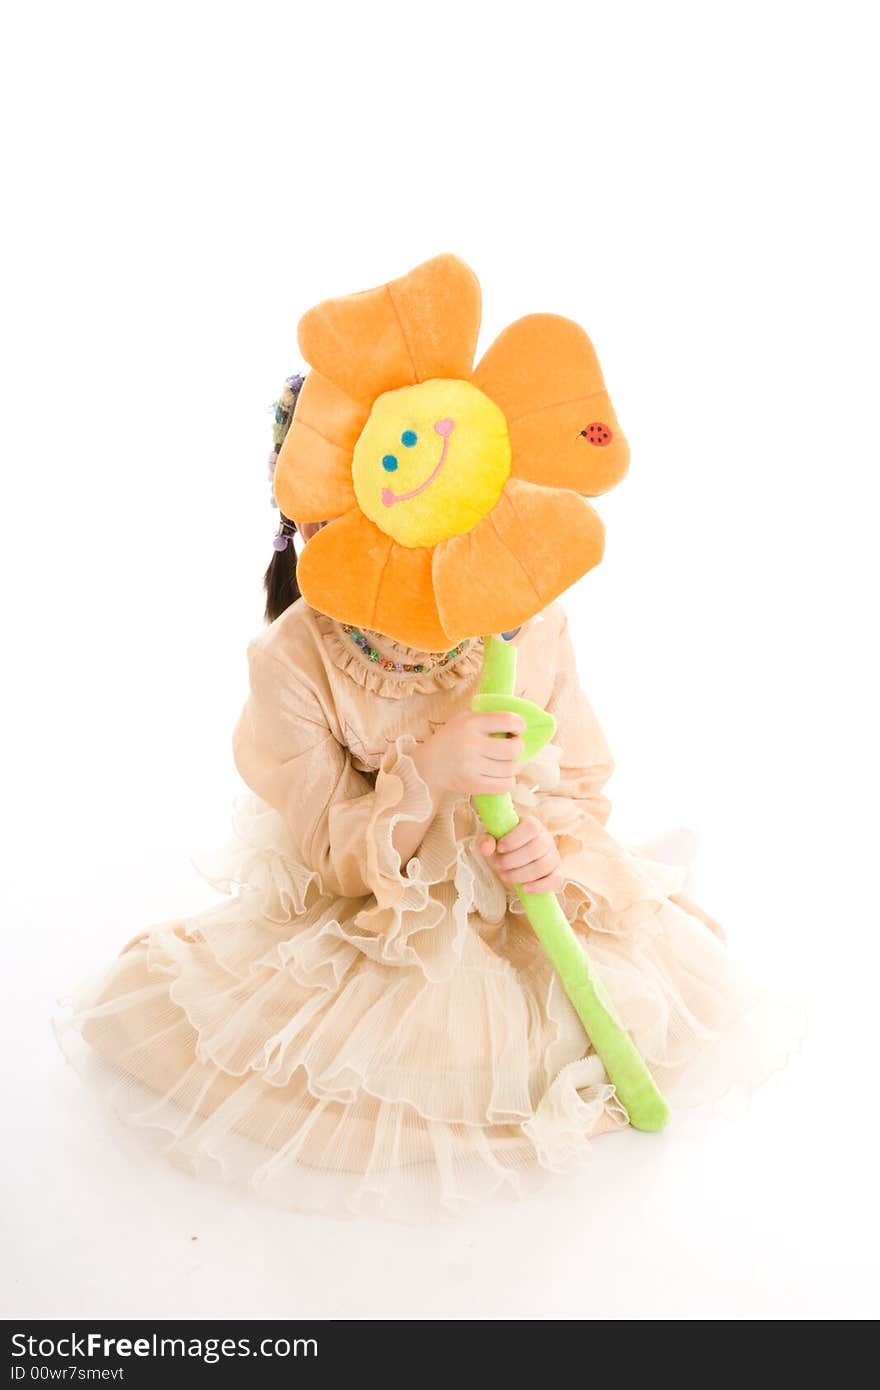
(694, 184)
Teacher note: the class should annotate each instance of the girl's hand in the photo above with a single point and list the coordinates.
(526, 855)
(462, 756)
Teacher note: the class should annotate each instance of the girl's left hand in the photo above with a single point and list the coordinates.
(526, 855)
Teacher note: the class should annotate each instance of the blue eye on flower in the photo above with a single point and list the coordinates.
(389, 463)
(409, 438)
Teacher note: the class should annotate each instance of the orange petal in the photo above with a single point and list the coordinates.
(355, 573)
(313, 469)
(544, 374)
(421, 326)
(534, 543)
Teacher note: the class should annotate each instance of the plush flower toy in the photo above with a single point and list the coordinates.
(458, 500)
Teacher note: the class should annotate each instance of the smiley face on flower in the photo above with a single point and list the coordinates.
(457, 494)
(446, 462)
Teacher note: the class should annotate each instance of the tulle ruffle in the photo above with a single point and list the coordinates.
(412, 1049)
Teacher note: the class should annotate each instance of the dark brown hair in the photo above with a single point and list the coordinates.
(279, 581)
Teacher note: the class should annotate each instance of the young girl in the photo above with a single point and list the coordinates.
(369, 1022)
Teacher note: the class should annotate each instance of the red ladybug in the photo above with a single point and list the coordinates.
(597, 434)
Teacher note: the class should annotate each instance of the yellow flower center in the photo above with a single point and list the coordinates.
(431, 461)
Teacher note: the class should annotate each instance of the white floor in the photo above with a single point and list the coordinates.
(765, 1210)
(722, 254)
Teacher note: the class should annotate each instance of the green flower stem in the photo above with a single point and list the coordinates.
(626, 1069)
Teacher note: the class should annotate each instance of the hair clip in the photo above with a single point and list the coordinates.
(282, 415)
(284, 535)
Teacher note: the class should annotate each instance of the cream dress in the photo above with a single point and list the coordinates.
(341, 1032)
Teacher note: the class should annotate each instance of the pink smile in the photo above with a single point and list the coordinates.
(444, 428)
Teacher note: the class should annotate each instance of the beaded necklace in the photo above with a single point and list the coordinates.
(405, 667)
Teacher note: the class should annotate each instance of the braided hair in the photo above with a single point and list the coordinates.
(279, 580)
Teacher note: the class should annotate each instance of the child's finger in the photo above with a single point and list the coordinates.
(521, 834)
(500, 721)
(493, 786)
(505, 750)
(495, 767)
(520, 858)
(531, 868)
(551, 883)
(486, 845)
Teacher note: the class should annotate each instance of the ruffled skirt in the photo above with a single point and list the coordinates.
(335, 1053)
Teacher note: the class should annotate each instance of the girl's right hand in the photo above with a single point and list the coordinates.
(462, 756)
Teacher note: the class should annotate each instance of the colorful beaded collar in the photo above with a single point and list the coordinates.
(402, 667)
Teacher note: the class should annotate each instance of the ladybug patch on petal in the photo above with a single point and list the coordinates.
(597, 434)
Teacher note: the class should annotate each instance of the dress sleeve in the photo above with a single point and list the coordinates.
(339, 821)
(585, 759)
(576, 809)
